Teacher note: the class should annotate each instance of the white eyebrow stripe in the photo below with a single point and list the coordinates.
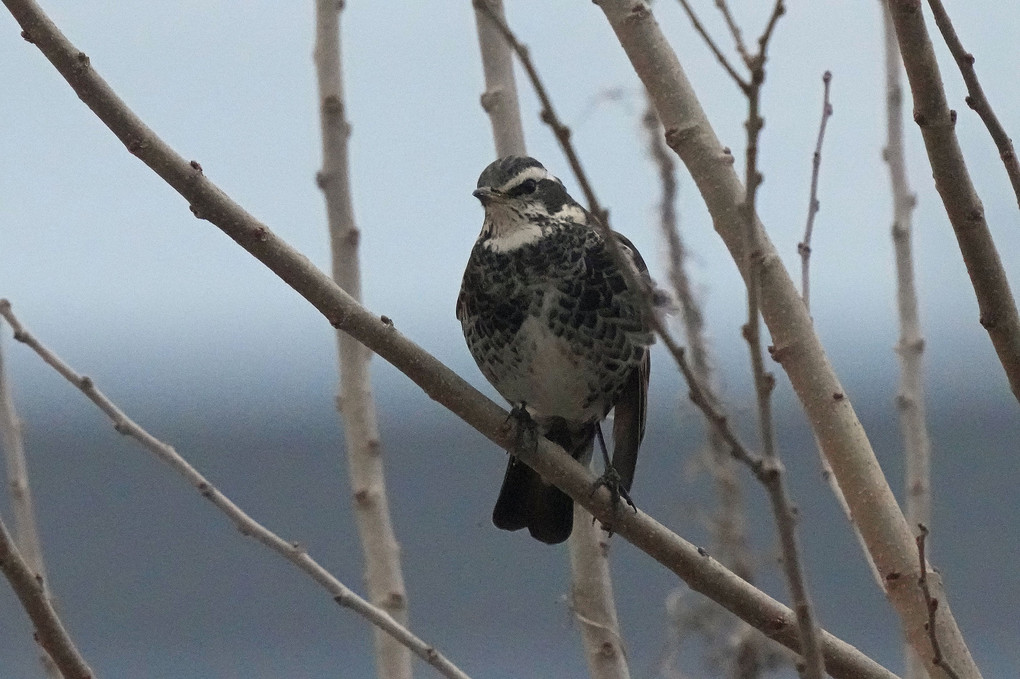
(536, 173)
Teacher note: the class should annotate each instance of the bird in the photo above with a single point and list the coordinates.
(554, 325)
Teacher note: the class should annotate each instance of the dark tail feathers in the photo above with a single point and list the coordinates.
(527, 501)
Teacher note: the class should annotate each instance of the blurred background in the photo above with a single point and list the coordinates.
(209, 351)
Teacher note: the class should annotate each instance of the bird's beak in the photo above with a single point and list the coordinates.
(487, 195)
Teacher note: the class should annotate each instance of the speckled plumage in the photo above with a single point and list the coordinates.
(549, 319)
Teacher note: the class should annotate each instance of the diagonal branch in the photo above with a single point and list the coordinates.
(976, 98)
(745, 657)
(720, 57)
(933, 607)
(952, 180)
(49, 630)
(804, 249)
(796, 346)
(770, 472)
(245, 524)
(738, 37)
(207, 201)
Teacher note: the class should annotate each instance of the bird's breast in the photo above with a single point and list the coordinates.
(549, 374)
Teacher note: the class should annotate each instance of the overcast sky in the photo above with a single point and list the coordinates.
(106, 263)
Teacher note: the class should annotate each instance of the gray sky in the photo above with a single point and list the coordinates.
(106, 264)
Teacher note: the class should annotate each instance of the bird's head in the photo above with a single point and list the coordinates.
(520, 196)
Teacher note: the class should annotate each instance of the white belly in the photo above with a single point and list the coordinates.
(553, 380)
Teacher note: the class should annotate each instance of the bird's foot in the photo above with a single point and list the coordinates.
(525, 432)
(611, 481)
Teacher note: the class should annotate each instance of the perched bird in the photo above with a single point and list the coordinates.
(549, 318)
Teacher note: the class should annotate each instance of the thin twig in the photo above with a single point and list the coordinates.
(548, 114)
(244, 523)
(804, 247)
(729, 539)
(996, 304)
(738, 38)
(778, 10)
(933, 606)
(910, 401)
(49, 630)
(720, 57)
(976, 98)
(764, 382)
(697, 371)
(208, 201)
(25, 529)
(769, 471)
(384, 576)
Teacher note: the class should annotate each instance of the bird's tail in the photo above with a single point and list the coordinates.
(528, 501)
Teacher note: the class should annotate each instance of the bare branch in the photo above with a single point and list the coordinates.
(720, 57)
(976, 98)
(49, 630)
(701, 572)
(933, 607)
(764, 382)
(804, 247)
(591, 599)
(548, 113)
(952, 179)
(244, 523)
(383, 575)
(729, 539)
(738, 38)
(17, 479)
(778, 10)
(500, 97)
(796, 346)
(910, 400)
(695, 373)
(25, 529)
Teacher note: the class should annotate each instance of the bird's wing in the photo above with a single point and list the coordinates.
(629, 421)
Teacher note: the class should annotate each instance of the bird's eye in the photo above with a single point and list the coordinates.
(524, 188)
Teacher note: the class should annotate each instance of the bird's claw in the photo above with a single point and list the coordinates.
(525, 430)
(611, 481)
